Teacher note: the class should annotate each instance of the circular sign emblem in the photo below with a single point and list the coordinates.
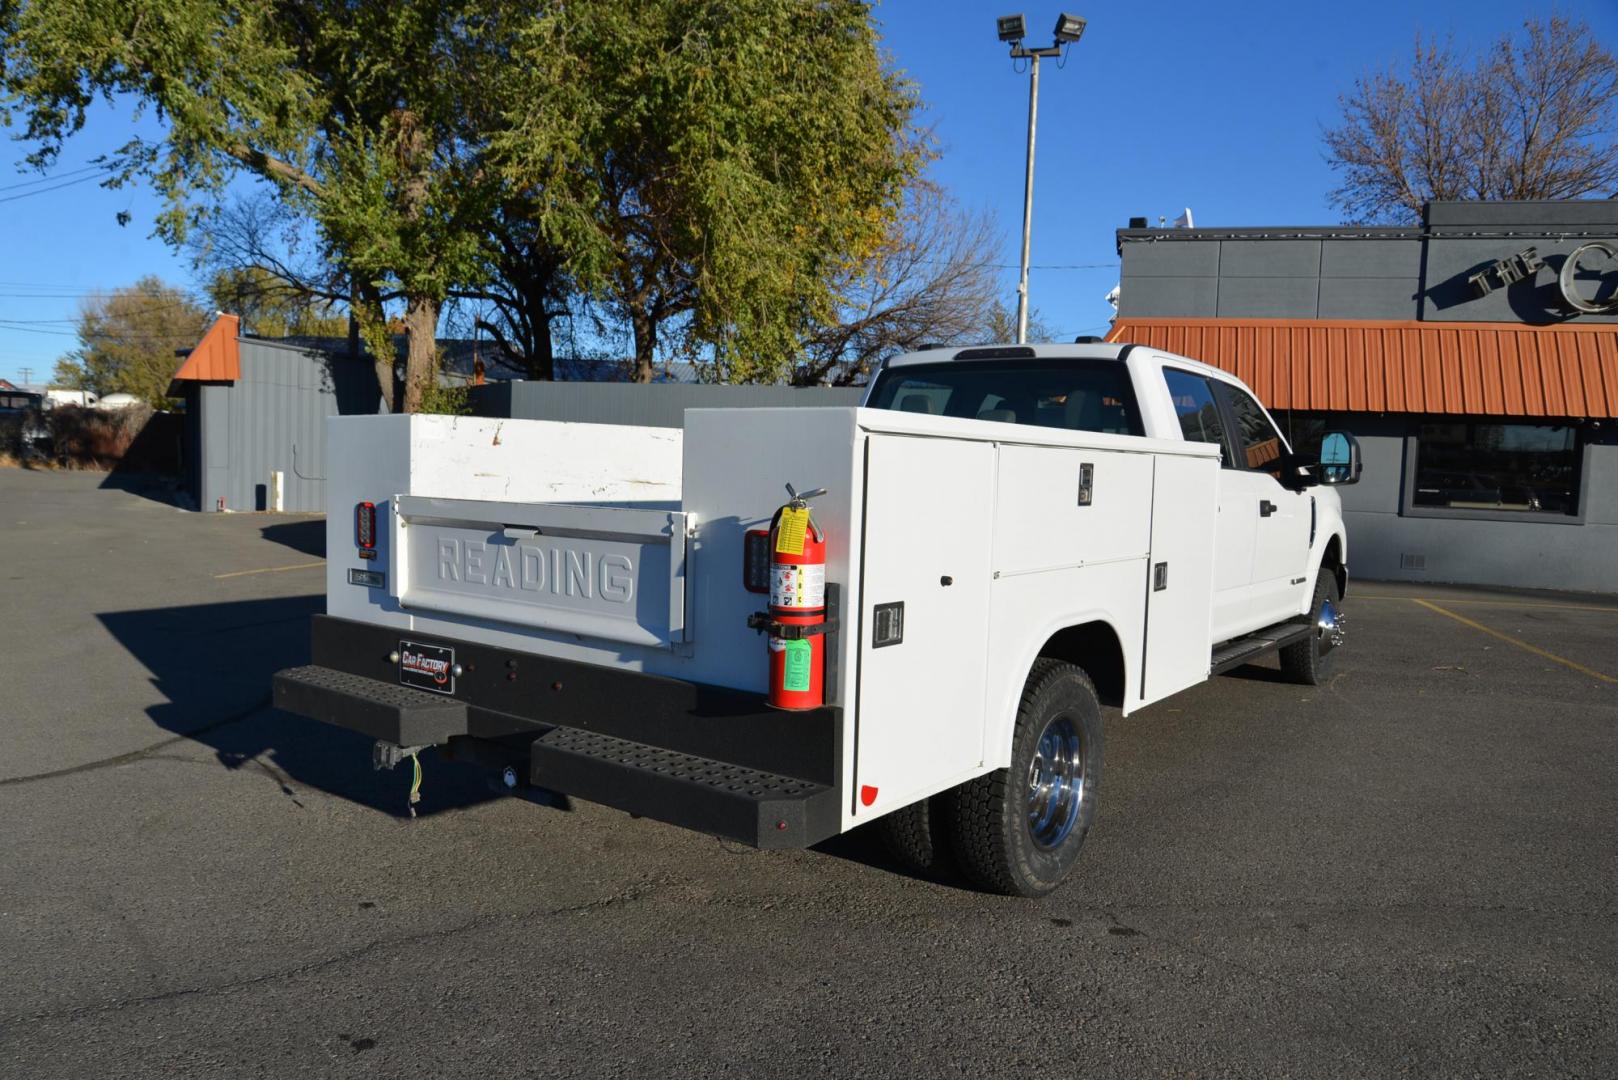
(1570, 270)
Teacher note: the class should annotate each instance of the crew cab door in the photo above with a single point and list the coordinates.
(1202, 419)
(1281, 515)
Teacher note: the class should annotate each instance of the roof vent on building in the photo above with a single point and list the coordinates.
(1088, 339)
(1137, 223)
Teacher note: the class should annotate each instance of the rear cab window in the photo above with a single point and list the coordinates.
(1197, 408)
(1069, 393)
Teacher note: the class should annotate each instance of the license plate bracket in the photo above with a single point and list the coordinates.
(427, 667)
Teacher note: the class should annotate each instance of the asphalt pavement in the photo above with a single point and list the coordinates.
(1413, 869)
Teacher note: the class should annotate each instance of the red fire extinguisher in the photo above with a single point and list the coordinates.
(796, 622)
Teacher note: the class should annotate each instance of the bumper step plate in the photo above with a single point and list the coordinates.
(762, 809)
(385, 711)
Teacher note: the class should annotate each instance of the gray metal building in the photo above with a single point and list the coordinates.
(1474, 356)
(657, 405)
(257, 407)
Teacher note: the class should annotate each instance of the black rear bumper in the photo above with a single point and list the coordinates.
(708, 758)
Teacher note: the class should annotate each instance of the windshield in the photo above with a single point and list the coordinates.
(1065, 392)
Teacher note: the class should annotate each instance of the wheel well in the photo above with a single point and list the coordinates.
(1332, 560)
(1094, 647)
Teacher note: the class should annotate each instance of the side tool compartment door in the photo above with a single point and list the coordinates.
(924, 617)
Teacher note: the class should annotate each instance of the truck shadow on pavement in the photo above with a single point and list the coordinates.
(213, 662)
(307, 537)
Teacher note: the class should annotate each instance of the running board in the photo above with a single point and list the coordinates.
(1244, 650)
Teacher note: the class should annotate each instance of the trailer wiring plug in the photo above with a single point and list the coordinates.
(415, 783)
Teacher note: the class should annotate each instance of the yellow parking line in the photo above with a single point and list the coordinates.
(1492, 603)
(270, 570)
(1519, 642)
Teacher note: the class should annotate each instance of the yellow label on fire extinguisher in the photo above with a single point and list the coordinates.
(789, 532)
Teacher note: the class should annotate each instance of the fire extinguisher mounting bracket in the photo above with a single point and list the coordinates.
(761, 620)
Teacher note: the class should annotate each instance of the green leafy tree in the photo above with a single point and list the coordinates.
(363, 116)
(712, 168)
(129, 339)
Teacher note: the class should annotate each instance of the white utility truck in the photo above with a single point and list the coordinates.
(1013, 536)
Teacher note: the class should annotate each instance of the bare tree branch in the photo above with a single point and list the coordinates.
(1534, 119)
(930, 282)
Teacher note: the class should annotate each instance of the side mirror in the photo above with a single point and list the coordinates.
(1339, 459)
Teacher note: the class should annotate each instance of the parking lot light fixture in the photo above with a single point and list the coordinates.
(1012, 29)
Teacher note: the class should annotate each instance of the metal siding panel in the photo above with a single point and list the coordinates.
(1450, 395)
(1590, 372)
(1269, 297)
(1392, 259)
(1432, 371)
(1556, 403)
(1607, 347)
(1368, 298)
(1355, 367)
(1471, 373)
(1390, 391)
(1269, 258)
(1337, 368)
(1573, 376)
(1297, 339)
(242, 444)
(1171, 258)
(1263, 383)
(1513, 400)
(1168, 297)
(1494, 388)
(1243, 356)
(1317, 368)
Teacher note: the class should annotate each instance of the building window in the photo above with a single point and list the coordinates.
(1500, 468)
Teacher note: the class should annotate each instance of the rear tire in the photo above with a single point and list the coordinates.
(916, 837)
(1018, 830)
(1309, 662)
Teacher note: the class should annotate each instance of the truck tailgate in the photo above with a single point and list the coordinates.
(608, 572)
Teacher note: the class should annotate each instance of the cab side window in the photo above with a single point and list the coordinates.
(1261, 445)
(1198, 410)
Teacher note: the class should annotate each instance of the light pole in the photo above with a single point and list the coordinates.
(1012, 30)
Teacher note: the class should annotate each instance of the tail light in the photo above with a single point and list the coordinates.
(365, 526)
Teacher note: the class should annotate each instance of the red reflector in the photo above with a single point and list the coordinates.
(867, 794)
(365, 525)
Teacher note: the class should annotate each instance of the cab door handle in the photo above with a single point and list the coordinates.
(1265, 508)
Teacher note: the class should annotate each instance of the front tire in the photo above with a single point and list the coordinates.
(1309, 662)
(1018, 830)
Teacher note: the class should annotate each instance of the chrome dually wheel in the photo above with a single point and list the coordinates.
(1018, 830)
(1055, 783)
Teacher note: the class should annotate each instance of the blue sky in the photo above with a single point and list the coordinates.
(1161, 106)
